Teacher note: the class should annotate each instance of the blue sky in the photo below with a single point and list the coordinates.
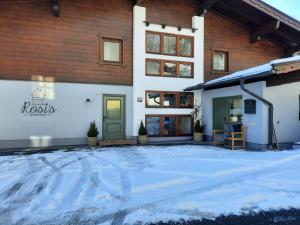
(290, 7)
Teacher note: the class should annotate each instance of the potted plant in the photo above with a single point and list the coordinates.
(198, 131)
(92, 134)
(142, 138)
(199, 126)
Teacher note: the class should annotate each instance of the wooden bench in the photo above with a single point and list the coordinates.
(230, 138)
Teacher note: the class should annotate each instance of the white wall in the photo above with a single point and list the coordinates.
(285, 99)
(142, 82)
(257, 124)
(73, 115)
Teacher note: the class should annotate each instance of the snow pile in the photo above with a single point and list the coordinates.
(127, 185)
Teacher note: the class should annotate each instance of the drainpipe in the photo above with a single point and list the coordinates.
(270, 105)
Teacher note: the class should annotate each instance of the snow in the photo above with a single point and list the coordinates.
(243, 73)
(148, 184)
(255, 70)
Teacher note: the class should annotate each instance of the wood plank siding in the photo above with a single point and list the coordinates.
(35, 45)
(220, 34)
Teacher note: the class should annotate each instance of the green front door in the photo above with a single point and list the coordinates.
(113, 117)
(220, 113)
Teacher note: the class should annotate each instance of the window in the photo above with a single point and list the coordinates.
(169, 125)
(153, 43)
(112, 51)
(227, 110)
(186, 100)
(220, 61)
(185, 125)
(235, 109)
(166, 99)
(186, 46)
(169, 100)
(169, 44)
(153, 125)
(170, 69)
(155, 67)
(185, 70)
(153, 99)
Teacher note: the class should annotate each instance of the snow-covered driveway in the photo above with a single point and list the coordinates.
(126, 185)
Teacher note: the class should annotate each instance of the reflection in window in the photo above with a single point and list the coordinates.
(235, 109)
(169, 125)
(170, 45)
(186, 100)
(153, 68)
(112, 50)
(169, 69)
(185, 70)
(220, 61)
(153, 126)
(153, 99)
(153, 43)
(185, 125)
(185, 45)
(169, 100)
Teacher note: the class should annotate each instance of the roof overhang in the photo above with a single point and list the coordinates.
(275, 67)
(262, 20)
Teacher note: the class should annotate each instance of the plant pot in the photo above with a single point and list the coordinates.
(142, 139)
(92, 141)
(198, 137)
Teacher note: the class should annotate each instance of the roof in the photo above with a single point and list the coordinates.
(263, 21)
(273, 67)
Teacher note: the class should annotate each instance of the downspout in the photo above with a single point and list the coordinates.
(271, 109)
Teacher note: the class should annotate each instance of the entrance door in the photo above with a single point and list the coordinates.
(220, 113)
(113, 117)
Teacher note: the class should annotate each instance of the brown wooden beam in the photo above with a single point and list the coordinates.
(205, 5)
(56, 8)
(261, 31)
(138, 2)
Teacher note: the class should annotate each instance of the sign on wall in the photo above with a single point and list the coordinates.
(38, 106)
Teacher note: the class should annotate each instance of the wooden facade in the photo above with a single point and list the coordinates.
(35, 45)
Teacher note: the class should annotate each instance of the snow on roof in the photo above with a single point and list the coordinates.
(255, 70)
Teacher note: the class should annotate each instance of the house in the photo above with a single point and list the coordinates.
(265, 99)
(66, 63)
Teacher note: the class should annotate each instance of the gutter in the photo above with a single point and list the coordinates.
(270, 112)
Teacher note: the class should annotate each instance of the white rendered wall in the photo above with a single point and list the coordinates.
(141, 83)
(257, 124)
(285, 99)
(73, 115)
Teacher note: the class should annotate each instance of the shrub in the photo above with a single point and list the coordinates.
(93, 131)
(142, 129)
(199, 127)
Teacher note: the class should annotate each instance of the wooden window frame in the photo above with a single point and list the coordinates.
(121, 53)
(226, 71)
(177, 50)
(177, 96)
(177, 119)
(162, 62)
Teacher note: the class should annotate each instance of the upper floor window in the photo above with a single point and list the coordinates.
(111, 51)
(169, 44)
(166, 68)
(220, 61)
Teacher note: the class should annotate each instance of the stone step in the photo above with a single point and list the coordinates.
(116, 143)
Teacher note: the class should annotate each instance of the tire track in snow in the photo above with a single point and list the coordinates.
(119, 217)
